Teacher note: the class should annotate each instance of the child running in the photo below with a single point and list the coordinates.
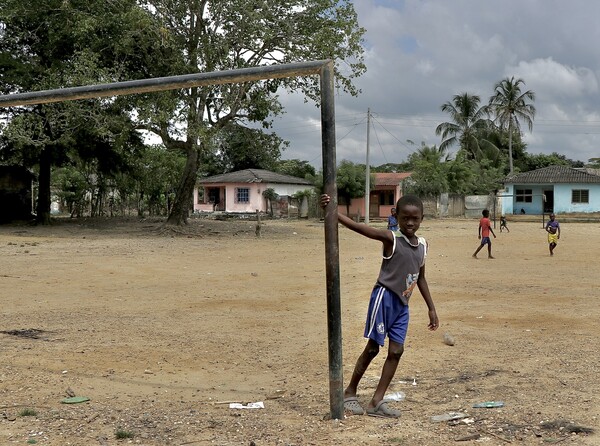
(503, 224)
(553, 230)
(402, 269)
(485, 227)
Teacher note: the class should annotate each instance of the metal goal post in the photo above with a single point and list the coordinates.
(323, 68)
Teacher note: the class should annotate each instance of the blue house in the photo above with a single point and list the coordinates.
(558, 189)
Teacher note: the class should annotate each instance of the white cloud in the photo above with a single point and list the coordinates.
(550, 79)
(423, 52)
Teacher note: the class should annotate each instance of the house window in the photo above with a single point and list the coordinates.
(386, 198)
(524, 196)
(242, 195)
(580, 196)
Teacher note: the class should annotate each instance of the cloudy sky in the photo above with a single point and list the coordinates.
(420, 53)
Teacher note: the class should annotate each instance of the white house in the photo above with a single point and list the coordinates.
(558, 189)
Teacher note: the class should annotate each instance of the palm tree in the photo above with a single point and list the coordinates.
(468, 118)
(510, 106)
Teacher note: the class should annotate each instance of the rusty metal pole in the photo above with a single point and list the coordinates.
(163, 83)
(332, 257)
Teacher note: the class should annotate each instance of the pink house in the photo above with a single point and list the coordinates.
(242, 191)
(386, 191)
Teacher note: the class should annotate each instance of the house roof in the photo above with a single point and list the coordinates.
(390, 179)
(553, 175)
(254, 176)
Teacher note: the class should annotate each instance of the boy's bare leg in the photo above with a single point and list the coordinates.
(395, 351)
(478, 249)
(490, 252)
(362, 363)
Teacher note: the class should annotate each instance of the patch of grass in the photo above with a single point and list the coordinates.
(121, 434)
(396, 440)
(28, 413)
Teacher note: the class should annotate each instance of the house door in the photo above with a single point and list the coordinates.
(549, 201)
(374, 205)
(213, 197)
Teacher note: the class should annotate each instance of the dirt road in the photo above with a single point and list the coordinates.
(161, 331)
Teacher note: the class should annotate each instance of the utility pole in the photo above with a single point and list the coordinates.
(368, 170)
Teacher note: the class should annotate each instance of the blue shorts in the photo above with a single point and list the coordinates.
(387, 316)
(486, 241)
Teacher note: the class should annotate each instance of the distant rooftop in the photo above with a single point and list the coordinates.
(390, 179)
(553, 175)
(254, 176)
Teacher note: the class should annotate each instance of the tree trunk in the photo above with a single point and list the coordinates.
(510, 155)
(43, 202)
(185, 189)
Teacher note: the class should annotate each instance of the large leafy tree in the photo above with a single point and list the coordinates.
(434, 172)
(351, 181)
(296, 168)
(511, 105)
(56, 44)
(468, 119)
(237, 147)
(215, 35)
(540, 160)
(429, 170)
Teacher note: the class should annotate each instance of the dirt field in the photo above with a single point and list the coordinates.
(162, 331)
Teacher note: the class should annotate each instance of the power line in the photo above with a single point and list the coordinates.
(393, 136)
(380, 147)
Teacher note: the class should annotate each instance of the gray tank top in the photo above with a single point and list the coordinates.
(400, 271)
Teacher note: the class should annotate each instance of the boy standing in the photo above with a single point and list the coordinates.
(402, 269)
(553, 230)
(392, 220)
(485, 227)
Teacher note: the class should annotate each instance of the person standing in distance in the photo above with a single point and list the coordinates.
(402, 269)
(392, 220)
(553, 230)
(485, 227)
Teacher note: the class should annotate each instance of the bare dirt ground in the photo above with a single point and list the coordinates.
(161, 331)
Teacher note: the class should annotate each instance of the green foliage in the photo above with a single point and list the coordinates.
(301, 195)
(511, 105)
(434, 172)
(467, 127)
(236, 148)
(351, 181)
(594, 163)
(155, 177)
(72, 188)
(392, 168)
(216, 35)
(429, 171)
(271, 196)
(539, 160)
(60, 44)
(28, 413)
(295, 168)
(122, 434)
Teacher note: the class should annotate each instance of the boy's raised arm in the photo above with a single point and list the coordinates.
(382, 235)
